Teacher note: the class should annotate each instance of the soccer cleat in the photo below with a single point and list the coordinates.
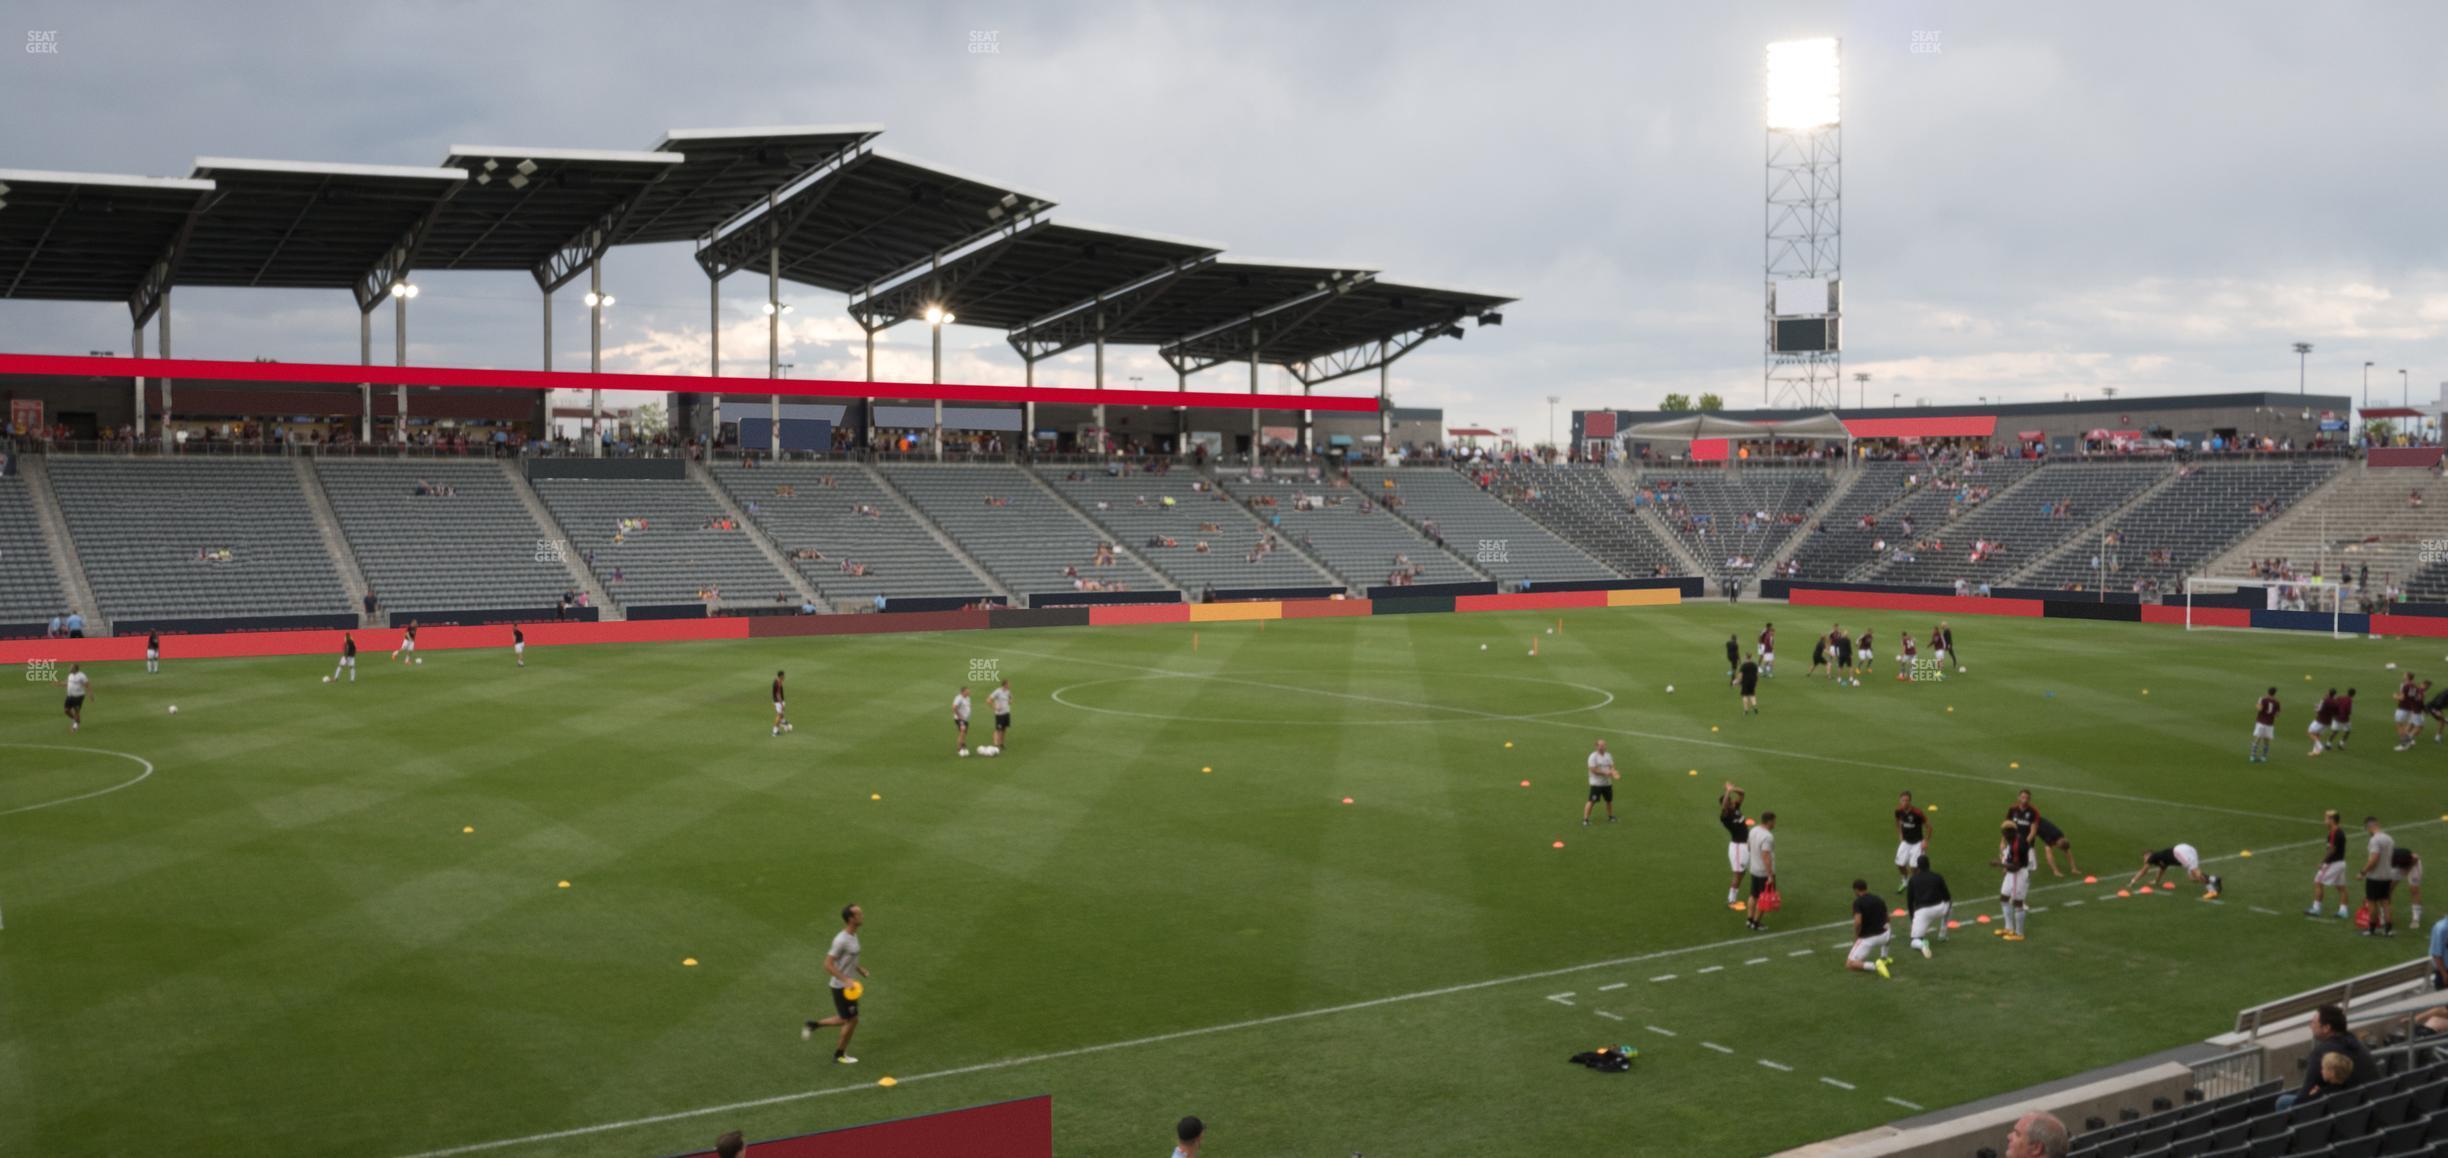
(1610, 820)
(843, 1059)
(807, 1031)
(1738, 906)
(2210, 896)
(2314, 911)
(1585, 822)
(2342, 913)
(1998, 932)
(1882, 968)
(2014, 936)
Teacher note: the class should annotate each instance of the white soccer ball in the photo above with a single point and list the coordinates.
(326, 679)
(1483, 647)
(1670, 689)
(964, 751)
(990, 750)
(2392, 667)
(1551, 631)
(1961, 670)
(420, 659)
(174, 709)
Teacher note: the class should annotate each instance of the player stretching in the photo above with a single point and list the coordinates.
(840, 962)
(960, 721)
(1763, 865)
(781, 722)
(2332, 871)
(1767, 651)
(348, 658)
(1000, 701)
(1927, 899)
(153, 651)
(1738, 840)
(1912, 837)
(79, 686)
(2173, 856)
(1870, 932)
(407, 647)
(2324, 717)
(2410, 711)
(2052, 840)
(1747, 678)
(1602, 778)
(2265, 727)
(2014, 892)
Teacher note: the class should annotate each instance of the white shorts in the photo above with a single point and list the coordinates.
(520, 647)
(2315, 728)
(2406, 717)
(1767, 657)
(2186, 856)
(1866, 656)
(2413, 877)
(2264, 732)
(1931, 920)
(2341, 727)
(1864, 948)
(152, 653)
(2016, 886)
(777, 707)
(1738, 857)
(2331, 875)
(348, 661)
(1942, 656)
(407, 645)
(1908, 853)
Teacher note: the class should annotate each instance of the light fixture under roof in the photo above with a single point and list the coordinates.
(527, 168)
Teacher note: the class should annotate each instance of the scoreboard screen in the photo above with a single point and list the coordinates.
(1802, 335)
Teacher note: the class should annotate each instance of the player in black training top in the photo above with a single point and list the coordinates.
(1927, 899)
(2023, 816)
(1819, 651)
(348, 658)
(1870, 933)
(153, 651)
(1733, 658)
(1747, 677)
(2052, 840)
(1738, 833)
(2332, 871)
(1842, 670)
(1912, 836)
(781, 722)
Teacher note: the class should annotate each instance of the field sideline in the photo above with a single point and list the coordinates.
(282, 939)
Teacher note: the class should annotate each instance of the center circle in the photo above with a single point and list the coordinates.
(62, 786)
(1432, 713)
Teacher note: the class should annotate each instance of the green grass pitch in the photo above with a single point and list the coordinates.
(283, 942)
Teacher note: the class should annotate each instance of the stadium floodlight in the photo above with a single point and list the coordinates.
(594, 299)
(1802, 84)
(772, 308)
(938, 316)
(402, 289)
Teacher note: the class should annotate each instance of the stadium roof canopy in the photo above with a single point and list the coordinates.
(729, 173)
(522, 207)
(1040, 269)
(88, 236)
(303, 224)
(868, 220)
(1320, 322)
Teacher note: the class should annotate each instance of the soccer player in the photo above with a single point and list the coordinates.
(1946, 647)
(1000, 701)
(153, 651)
(1733, 657)
(2379, 879)
(781, 722)
(1938, 646)
(840, 962)
(1870, 932)
(960, 721)
(348, 658)
(2172, 856)
(1763, 864)
(1907, 657)
(518, 644)
(407, 647)
(79, 686)
(1767, 651)
(2332, 871)
(1747, 678)
(2023, 816)
(2409, 711)
(1842, 669)
(2409, 870)
(2052, 840)
(2265, 727)
(1738, 840)
(1866, 657)
(2437, 709)
(2322, 717)
(1819, 651)
(2342, 728)
(1602, 778)
(2014, 892)
(1912, 837)
(1927, 899)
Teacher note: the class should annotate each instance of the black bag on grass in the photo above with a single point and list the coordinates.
(1612, 1059)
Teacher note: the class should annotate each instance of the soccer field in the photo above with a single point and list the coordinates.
(286, 940)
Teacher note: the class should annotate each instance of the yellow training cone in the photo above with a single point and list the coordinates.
(2246, 852)
(887, 1081)
(1209, 768)
(2014, 763)
(689, 961)
(470, 828)
(565, 884)
(1712, 727)
(1693, 772)
(1931, 808)
(1508, 743)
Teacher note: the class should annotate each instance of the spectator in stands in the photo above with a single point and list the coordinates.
(2439, 954)
(730, 1145)
(2337, 1071)
(1188, 1134)
(2330, 1036)
(75, 624)
(2037, 1135)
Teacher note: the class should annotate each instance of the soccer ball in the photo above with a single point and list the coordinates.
(990, 750)
(174, 709)
(420, 659)
(1483, 647)
(790, 727)
(326, 679)
(1670, 689)
(964, 751)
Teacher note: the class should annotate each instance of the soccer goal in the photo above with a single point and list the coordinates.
(2313, 594)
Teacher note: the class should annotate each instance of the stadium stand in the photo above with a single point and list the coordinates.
(1717, 512)
(2396, 1113)
(438, 535)
(1167, 517)
(2056, 505)
(1452, 508)
(29, 588)
(2171, 533)
(652, 541)
(1345, 526)
(196, 538)
(1020, 532)
(847, 536)
(2368, 519)
(1582, 505)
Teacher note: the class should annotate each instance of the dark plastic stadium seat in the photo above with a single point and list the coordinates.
(2269, 1147)
(2274, 1122)
(2391, 1110)
(2353, 1123)
(2405, 1139)
(2427, 1098)
(2367, 1146)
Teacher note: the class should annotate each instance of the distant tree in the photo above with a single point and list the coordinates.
(1676, 402)
(648, 420)
(1711, 403)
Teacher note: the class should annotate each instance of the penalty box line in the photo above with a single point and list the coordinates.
(1210, 1030)
(1498, 717)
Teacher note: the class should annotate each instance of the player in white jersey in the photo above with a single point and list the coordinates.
(1000, 701)
(79, 686)
(1602, 778)
(842, 960)
(960, 721)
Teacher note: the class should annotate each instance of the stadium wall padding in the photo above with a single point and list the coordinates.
(1802, 596)
(910, 603)
(1039, 617)
(1097, 598)
(1021, 1128)
(1692, 586)
(1279, 593)
(1646, 597)
(252, 623)
(1116, 614)
(1235, 612)
(1431, 590)
(2091, 609)
(1327, 608)
(2425, 625)
(374, 643)
(1527, 601)
(868, 624)
(469, 617)
(1416, 605)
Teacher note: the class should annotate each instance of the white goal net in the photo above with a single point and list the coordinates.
(2312, 594)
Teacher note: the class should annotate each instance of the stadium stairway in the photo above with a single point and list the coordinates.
(942, 537)
(581, 578)
(756, 534)
(327, 521)
(2361, 517)
(1831, 505)
(2090, 539)
(68, 570)
(1121, 545)
(1662, 532)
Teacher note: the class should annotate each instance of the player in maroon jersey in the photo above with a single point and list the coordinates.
(2342, 728)
(2324, 717)
(2265, 726)
(1906, 656)
(2409, 711)
(1767, 651)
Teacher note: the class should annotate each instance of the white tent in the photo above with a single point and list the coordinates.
(1816, 428)
(1693, 427)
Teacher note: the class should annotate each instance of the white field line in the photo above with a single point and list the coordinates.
(1659, 1030)
(1840, 1085)
(1711, 969)
(1905, 1104)
(1608, 1016)
(1614, 987)
(1664, 977)
(140, 777)
(1560, 998)
(1780, 1067)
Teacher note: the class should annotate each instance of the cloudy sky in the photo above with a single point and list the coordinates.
(2065, 197)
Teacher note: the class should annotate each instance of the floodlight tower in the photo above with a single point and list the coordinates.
(1805, 226)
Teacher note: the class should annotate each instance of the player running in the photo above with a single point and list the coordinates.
(1864, 652)
(1602, 778)
(1763, 865)
(1870, 932)
(1819, 654)
(348, 658)
(2014, 892)
(79, 686)
(781, 721)
(2265, 727)
(407, 648)
(1767, 651)
(2342, 728)
(2323, 718)
(518, 644)
(2410, 696)
(960, 721)
(840, 962)
(1738, 840)
(153, 651)
(1747, 679)
(999, 701)
(2173, 856)
(2332, 871)
(1945, 637)
(1733, 657)
(1912, 838)
(1927, 899)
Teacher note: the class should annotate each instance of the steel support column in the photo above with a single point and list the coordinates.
(1104, 436)
(714, 359)
(136, 347)
(543, 428)
(936, 328)
(1028, 407)
(168, 440)
(595, 353)
(365, 390)
(869, 405)
(1385, 403)
(399, 357)
(1257, 419)
(773, 338)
